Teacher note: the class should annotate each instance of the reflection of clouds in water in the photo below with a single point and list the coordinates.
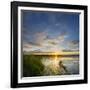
(72, 66)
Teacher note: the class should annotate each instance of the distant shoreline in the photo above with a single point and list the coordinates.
(53, 53)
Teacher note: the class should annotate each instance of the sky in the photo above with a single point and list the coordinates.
(44, 31)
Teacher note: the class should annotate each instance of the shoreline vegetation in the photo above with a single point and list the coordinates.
(46, 65)
(70, 53)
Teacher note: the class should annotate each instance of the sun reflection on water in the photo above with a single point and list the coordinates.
(54, 67)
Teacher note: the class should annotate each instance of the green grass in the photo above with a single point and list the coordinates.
(32, 65)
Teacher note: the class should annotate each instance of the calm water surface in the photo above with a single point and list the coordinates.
(61, 65)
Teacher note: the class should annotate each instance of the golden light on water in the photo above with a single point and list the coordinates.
(56, 56)
(53, 62)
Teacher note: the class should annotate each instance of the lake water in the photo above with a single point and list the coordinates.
(61, 65)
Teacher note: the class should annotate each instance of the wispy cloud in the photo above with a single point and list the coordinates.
(73, 45)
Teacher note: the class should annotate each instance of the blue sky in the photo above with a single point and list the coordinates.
(50, 31)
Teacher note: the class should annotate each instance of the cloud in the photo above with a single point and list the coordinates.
(43, 42)
(74, 44)
(52, 41)
(58, 39)
(63, 36)
(39, 38)
(35, 39)
(27, 46)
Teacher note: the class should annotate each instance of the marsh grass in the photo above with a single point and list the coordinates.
(32, 66)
